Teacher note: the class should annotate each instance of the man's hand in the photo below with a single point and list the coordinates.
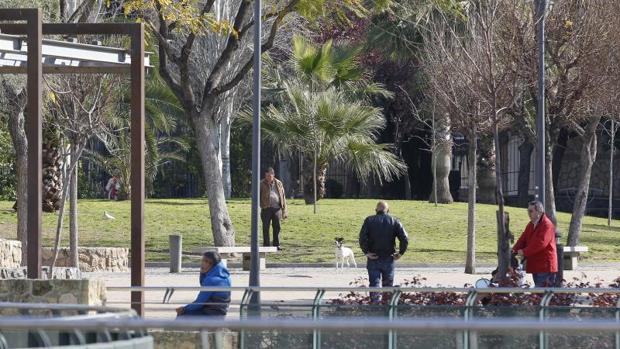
(285, 215)
(520, 253)
(180, 310)
(372, 256)
(396, 256)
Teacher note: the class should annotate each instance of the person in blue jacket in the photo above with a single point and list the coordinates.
(213, 273)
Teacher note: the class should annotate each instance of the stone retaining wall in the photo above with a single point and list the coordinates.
(110, 259)
(10, 253)
(193, 340)
(91, 292)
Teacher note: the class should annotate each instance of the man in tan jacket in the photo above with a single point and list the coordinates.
(273, 206)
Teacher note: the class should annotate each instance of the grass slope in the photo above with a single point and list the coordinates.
(437, 234)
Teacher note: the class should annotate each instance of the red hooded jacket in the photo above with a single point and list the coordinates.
(538, 245)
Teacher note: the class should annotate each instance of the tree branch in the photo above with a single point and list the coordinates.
(264, 47)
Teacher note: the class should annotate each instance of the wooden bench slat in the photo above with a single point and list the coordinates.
(575, 249)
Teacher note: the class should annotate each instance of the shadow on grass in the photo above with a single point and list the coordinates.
(175, 203)
(601, 227)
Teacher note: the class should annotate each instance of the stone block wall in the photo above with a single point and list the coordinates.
(91, 292)
(10, 253)
(193, 340)
(110, 259)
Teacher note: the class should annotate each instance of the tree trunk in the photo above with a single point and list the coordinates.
(558, 156)
(315, 179)
(225, 152)
(525, 163)
(442, 165)
(502, 233)
(587, 158)
(486, 167)
(52, 173)
(16, 119)
(73, 214)
(221, 224)
(442, 162)
(470, 262)
(549, 191)
(610, 198)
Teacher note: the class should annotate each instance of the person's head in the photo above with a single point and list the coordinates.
(270, 174)
(209, 260)
(382, 207)
(535, 210)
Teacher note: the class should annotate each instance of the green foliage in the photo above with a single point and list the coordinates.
(163, 112)
(398, 32)
(7, 164)
(187, 14)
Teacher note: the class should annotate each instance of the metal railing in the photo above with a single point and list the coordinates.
(392, 307)
(67, 317)
(439, 326)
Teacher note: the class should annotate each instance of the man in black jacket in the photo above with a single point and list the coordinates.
(377, 241)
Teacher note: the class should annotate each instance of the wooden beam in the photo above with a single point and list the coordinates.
(137, 166)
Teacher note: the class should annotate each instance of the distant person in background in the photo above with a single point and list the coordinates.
(537, 246)
(378, 240)
(113, 187)
(273, 206)
(213, 273)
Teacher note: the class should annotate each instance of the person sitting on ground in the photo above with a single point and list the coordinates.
(213, 273)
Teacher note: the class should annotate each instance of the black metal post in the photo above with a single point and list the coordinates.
(541, 6)
(256, 102)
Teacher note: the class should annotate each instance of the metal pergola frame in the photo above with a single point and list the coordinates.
(34, 29)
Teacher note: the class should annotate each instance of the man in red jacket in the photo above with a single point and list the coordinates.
(537, 245)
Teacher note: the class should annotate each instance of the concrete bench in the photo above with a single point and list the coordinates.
(245, 252)
(571, 256)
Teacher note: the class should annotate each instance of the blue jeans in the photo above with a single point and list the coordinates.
(544, 279)
(380, 271)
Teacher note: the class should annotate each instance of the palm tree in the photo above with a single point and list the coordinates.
(328, 126)
(163, 113)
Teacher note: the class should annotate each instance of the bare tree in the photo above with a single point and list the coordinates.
(80, 107)
(443, 56)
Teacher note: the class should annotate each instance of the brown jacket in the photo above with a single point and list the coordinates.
(264, 194)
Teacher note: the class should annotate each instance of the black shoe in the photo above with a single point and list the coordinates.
(279, 248)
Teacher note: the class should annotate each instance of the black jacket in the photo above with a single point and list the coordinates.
(379, 233)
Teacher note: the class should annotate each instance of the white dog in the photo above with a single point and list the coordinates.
(343, 253)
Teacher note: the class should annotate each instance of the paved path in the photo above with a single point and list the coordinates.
(313, 277)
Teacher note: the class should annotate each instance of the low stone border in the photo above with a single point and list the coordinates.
(92, 292)
(92, 259)
(193, 339)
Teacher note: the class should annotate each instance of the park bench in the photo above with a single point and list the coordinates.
(246, 254)
(571, 256)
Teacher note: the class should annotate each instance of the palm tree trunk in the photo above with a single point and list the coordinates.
(470, 261)
(587, 158)
(52, 173)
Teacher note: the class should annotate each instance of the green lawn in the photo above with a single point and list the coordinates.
(437, 234)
